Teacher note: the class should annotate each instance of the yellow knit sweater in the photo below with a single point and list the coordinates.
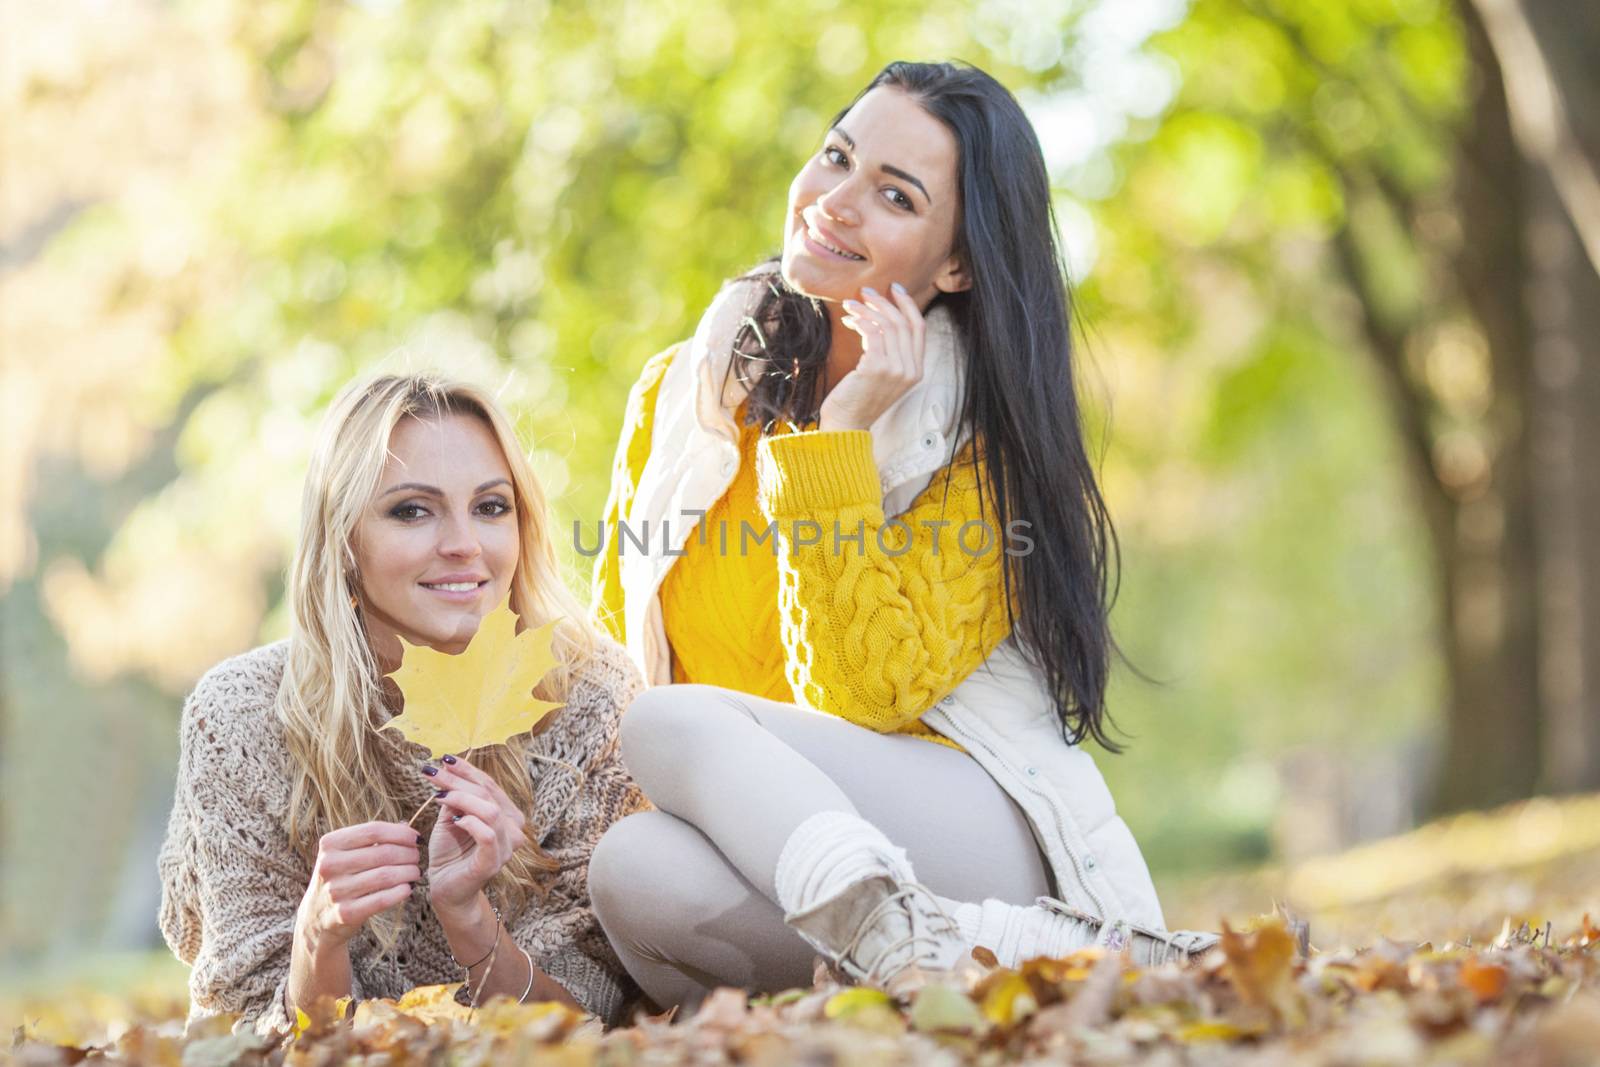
(720, 603)
(874, 633)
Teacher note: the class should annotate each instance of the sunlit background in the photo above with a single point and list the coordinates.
(1352, 569)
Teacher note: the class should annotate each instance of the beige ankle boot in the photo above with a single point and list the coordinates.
(1015, 933)
(1052, 927)
(880, 933)
(854, 898)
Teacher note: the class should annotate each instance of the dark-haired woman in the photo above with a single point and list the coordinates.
(855, 542)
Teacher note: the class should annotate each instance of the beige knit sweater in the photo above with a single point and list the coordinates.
(231, 883)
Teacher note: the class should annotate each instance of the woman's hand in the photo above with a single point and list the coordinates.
(360, 871)
(477, 831)
(892, 348)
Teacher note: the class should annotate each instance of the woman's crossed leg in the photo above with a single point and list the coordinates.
(687, 893)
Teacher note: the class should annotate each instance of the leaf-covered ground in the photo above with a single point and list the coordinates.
(1465, 942)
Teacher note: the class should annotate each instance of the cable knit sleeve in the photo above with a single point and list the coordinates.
(230, 881)
(877, 631)
(633, 448)
(561, 931)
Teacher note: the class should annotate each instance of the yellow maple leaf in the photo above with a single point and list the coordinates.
(481, 696)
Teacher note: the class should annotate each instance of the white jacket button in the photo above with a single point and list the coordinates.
(727, 465)
(930, 440)
(1032, 771)
(948, 701)
(1090, 863)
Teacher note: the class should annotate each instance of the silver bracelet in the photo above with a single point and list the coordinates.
(529, 958)
(492, 945)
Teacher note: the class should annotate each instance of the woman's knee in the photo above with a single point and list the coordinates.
(668, 727)
(620, 867)
(634, 876)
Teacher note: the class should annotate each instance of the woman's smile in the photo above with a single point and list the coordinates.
(821, 242)
(457, 589)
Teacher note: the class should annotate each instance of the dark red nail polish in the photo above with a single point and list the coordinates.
(449, 759)
(440, 793)
(430, 771)
(420, 839)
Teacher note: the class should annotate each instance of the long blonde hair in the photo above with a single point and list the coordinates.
(331, 699)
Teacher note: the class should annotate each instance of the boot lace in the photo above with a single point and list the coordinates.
(930, 938)
(1165, 945)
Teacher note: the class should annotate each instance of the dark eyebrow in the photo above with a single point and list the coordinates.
(433, 490)
(888, 168)
(898, 173)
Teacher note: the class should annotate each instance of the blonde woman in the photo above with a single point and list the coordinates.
(289, 871)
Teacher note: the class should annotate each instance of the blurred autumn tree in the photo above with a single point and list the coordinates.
(1534, 161)
(1420, 184)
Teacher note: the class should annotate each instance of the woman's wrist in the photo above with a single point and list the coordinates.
(320, 943)
(319, 966)
(470, 928)
(473, 934)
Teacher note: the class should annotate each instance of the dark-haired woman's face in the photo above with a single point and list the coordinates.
(878, 204)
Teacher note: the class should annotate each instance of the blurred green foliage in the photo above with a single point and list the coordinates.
(1292, 609)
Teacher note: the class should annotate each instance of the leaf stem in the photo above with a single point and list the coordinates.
(411, 822)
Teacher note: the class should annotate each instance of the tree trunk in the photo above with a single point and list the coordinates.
(1491, 555)
(1546, 50)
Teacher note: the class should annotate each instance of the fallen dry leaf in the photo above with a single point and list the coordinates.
(1487, 981)
(943, 1008)
(1261, 967)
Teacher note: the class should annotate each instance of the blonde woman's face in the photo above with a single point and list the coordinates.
(438, 544)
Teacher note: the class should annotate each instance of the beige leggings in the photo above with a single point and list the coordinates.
(685, 893)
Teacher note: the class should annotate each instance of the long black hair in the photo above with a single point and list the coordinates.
(1020, 398)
